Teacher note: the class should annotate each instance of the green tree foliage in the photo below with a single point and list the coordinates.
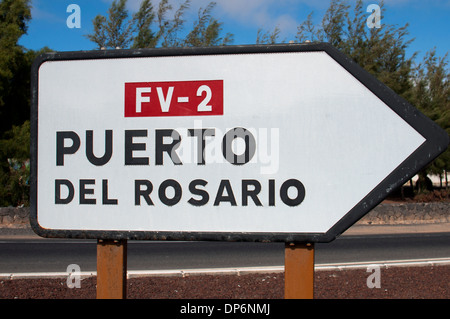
(149, 29)
(266, 37)
(114, 31)
(431, 95)
(144, 19)
(15, 166)
(15, 67)
(206, 31)
(14, 64)
(169, 28)
(432, 88)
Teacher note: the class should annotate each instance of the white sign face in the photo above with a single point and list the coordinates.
(256, 143)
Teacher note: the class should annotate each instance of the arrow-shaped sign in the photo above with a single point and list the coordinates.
(263, 143)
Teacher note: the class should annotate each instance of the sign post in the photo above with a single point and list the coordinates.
(111, 269)
(299, 271)
(288, 143)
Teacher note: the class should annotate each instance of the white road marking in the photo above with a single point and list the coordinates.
(239, 270)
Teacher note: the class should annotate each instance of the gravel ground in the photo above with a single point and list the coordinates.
(426, 282)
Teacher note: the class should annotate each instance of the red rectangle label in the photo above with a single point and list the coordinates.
(178, 98)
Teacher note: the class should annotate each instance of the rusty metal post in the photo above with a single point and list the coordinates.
(111, 269)
(299, 271)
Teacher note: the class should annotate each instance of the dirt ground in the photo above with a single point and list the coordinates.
(426, 282)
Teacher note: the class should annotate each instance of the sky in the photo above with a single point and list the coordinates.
(428, 20)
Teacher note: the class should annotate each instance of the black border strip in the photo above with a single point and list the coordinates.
(436, 142)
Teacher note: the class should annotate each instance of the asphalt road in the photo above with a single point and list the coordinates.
(54, 255)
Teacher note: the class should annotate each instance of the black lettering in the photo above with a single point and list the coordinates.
(61, 150)
(300, 192)
(271, 192)
(162, 192)
(252, 193)
(69, 185)
(200, 192)
(99, 161)
(160, 147)
(86, 191)
(145, 193)
(130, 147)
(105, 199)
(220, 197)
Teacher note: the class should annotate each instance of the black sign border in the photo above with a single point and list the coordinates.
(436, 142)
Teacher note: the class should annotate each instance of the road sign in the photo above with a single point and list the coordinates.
(255, 143)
